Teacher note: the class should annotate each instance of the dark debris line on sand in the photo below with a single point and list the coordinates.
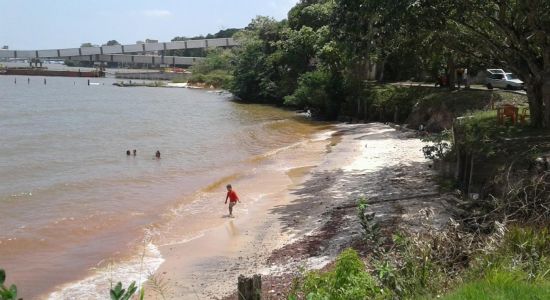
(325, 213)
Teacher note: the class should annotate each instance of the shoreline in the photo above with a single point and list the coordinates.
(298, 212)
(302, 229)
(189, 219)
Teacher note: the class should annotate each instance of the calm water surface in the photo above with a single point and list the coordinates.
(71, 198)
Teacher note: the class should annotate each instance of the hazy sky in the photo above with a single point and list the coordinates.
(48, 24)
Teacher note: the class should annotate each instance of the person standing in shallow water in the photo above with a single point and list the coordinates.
(233, 199)
(128, 152)
(135, 152)
(157, 155)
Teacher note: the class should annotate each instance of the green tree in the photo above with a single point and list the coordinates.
(311, 13)
(112, 43)
(256, 72)
(513, 34)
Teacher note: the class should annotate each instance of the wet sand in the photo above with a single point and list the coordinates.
(306, 214)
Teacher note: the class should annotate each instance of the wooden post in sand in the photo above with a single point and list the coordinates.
(250, 288)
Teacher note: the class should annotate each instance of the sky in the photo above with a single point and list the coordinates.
(53, 24)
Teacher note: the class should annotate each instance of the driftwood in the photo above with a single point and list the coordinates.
(250, 288)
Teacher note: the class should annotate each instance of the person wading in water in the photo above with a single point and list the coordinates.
(233, 199)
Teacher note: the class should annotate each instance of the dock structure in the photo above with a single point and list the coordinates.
(139, 59)
(123, 53)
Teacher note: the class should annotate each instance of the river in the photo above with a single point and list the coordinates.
(73, 202)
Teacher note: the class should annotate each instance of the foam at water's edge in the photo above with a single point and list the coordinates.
(324, 135)
(97, 285)
(185, 240)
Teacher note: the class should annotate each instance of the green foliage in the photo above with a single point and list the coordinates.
(314, 14)
(341, 40)
(522, 250)
(216, 79)
(518, 267)
(181, 79)
(313, 92)
(141, 294)
(413, 269)
(216, 59)
(5, 292)
(348, 280)
(432, 263)
(112, 43)
(392, 103)
(70, 63)
(254, 72)
(118, 293)
(371, 228)
(500, 285)
(277, 62)
(214, 70)
(224, 33)
(439, 146)
(485, 29)
(481, 134)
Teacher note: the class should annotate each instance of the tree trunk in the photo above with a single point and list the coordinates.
(471, 175)
(458, 152)
(366, 110)
(545, 99)
(358, 115)
(534, 96)
(382, 69)
(452, 71)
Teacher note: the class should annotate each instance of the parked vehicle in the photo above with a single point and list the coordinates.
(499, 79)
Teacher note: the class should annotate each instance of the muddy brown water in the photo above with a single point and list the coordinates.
(73, 203)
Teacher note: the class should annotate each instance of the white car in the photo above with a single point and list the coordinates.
(499, 79)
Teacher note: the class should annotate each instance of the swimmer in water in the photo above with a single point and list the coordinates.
(157, 155)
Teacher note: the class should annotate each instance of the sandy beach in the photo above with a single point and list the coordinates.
(309, 221)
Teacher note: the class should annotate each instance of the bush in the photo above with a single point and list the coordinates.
(5, 292)
(523, 251)
(392, 103)
(348, 280)
(371, 228)
(312, 92)
(439, 147)
(118, 293)
(217, 79)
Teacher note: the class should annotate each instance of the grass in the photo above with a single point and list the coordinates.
(501, 285)
(517, 268)
(513, 265)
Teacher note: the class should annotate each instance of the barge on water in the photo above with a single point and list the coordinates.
(46, 72)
